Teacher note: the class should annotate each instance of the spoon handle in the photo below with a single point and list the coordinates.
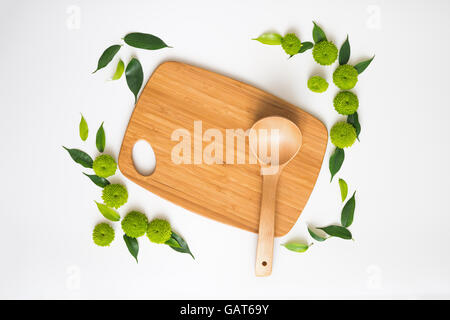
(264, 250)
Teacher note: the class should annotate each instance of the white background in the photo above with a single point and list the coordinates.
(400, 168)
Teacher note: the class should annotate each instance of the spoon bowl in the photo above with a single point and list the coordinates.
(276, 134)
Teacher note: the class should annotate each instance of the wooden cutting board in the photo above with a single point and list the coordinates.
(178, 94)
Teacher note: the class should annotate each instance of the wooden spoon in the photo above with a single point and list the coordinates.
(278, 141)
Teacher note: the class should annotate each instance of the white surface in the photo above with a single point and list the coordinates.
(400, 168)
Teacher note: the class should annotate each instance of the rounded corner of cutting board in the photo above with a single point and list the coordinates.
(282, 233)
(324, 129)
(167, 64)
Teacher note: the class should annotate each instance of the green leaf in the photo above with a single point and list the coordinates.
(108, 212)
(183, 246)
(344, 53)
(354, 121)
(80, 157)
(132, 245)
(83, 128)
(100, 139)
(144, 41)
(336, 160)
(134, 76)
(315, 236)
(296, 247)
(101, 182)
(318, 34)
(107, 56)
(344, 189)
(360, 67)
(348, 212)
(337, 231)
(305, 46)
(173, 243)
(269, 38)
(119, 70)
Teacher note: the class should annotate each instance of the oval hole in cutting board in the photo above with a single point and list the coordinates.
(144, 159)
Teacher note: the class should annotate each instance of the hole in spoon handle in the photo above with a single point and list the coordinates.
(264, 250)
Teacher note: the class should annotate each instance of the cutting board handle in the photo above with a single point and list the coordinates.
(127, 156)
(264, 250)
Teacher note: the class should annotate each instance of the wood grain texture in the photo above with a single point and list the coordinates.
(264, 249)
(175, 96)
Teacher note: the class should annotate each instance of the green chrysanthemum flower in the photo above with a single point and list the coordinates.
(345, 77)
(343, 134)
(325, 53)
(114, 195)
(104, 166)
(103, 235)
(291, 44)
(159, 231)
(317, 84)
(135, 224)
(346, 103)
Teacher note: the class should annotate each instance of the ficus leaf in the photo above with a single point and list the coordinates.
(107, 56)
(315, 236)
(360, 67)
(99, 181)
(83, 129)
(354, 121)
(144, 41)
(132, 245)
(80, 157)
(344, 189)
(173, 243)
(296, 247)
(318, 34)
(108, 212)
(348, 212)
(100, 139)
(337, 231)
(183, 246)
(344, 52)
(336, 160)
(119, 70)
(306, 46)
(134, 76)
(269, 38)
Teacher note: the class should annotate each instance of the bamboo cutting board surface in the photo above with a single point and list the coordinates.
(178, 94)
